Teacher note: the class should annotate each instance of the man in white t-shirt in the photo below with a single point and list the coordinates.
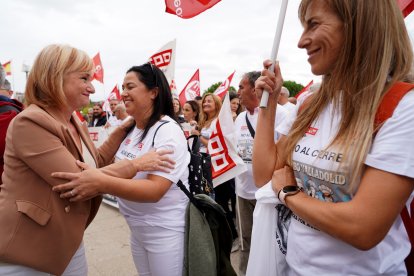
(245, 186)
(112, 119)
(283, 99)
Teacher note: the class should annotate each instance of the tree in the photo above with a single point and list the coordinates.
(293, 87)
(214, 86)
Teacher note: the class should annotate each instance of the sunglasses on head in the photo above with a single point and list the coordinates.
(154, 73)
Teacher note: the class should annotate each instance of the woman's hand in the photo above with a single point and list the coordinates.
(81, 186)
(194, 131)
(154, 161)
(270, 81)
(127, 124)
(282, 177)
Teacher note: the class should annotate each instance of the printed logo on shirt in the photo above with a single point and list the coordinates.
(312, 131)
(128, 154)
(140, 145)
(127, 141)
(244, 128)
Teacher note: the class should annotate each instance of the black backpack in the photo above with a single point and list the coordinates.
(200, 180)
(207, 210)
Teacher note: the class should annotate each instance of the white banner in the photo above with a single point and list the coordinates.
(164, 59)
(225, 162)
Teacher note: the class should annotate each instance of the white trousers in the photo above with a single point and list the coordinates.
(77, 267)
(157, 251)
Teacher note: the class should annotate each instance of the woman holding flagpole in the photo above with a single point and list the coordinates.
(353, 171)
(152, 204)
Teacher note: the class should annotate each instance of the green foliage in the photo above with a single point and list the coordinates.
(293, 87)
(214, 86)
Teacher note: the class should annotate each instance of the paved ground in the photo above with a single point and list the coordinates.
(107, 245)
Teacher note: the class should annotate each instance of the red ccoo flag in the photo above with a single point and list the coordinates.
(114, 94)
(188, 8)
(306, 88)
(406, 6)
(99, 72)
(221, 91)
(191, 90)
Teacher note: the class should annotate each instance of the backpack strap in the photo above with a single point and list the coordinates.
(390, 101)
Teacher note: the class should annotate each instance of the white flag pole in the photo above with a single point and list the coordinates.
(275, 48)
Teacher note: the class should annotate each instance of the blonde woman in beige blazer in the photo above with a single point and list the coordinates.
(41, 233)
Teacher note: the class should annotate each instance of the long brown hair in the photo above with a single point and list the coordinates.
(205, 120)
(376, 53)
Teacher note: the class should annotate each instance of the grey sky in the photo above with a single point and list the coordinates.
(233, 35)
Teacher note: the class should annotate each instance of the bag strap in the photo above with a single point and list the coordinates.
(195, 148)
(180, 184)
(249, 126)
(5, 108)
(163, 122)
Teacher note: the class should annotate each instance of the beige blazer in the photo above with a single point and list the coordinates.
(38, 229)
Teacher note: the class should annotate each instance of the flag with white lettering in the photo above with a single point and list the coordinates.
(188, 8)
(164, 59)
(222, 90)
(225, 162)
(191, 90)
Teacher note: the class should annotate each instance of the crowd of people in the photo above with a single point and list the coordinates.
(330, 161)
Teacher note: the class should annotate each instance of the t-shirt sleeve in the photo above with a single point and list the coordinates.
(393, 148)
(170, 136)
(290, 118)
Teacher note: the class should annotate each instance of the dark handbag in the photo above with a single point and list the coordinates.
(200, 179)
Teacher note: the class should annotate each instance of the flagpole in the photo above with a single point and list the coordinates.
(275, 48)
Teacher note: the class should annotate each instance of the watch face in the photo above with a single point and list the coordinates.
(290, 189)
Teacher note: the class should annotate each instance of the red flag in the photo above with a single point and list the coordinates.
(306, 88)
(191, 90)
(188, 8)
(99, 72)
(406, 6)
(7, 68)
(79, 115)
(221, 91)
(114, 94)
(225, 162)
(173, 87)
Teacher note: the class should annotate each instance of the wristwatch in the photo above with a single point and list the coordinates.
(288, 191)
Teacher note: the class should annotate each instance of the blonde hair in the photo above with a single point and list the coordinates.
(45, 82)
(205, 120)
(376, 53)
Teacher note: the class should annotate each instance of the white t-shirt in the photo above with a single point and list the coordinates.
(113, 120)
(170, 210)
(289, 106)
(245, 186)
(206, 133)
(312, 252)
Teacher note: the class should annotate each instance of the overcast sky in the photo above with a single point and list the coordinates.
(233, 35)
